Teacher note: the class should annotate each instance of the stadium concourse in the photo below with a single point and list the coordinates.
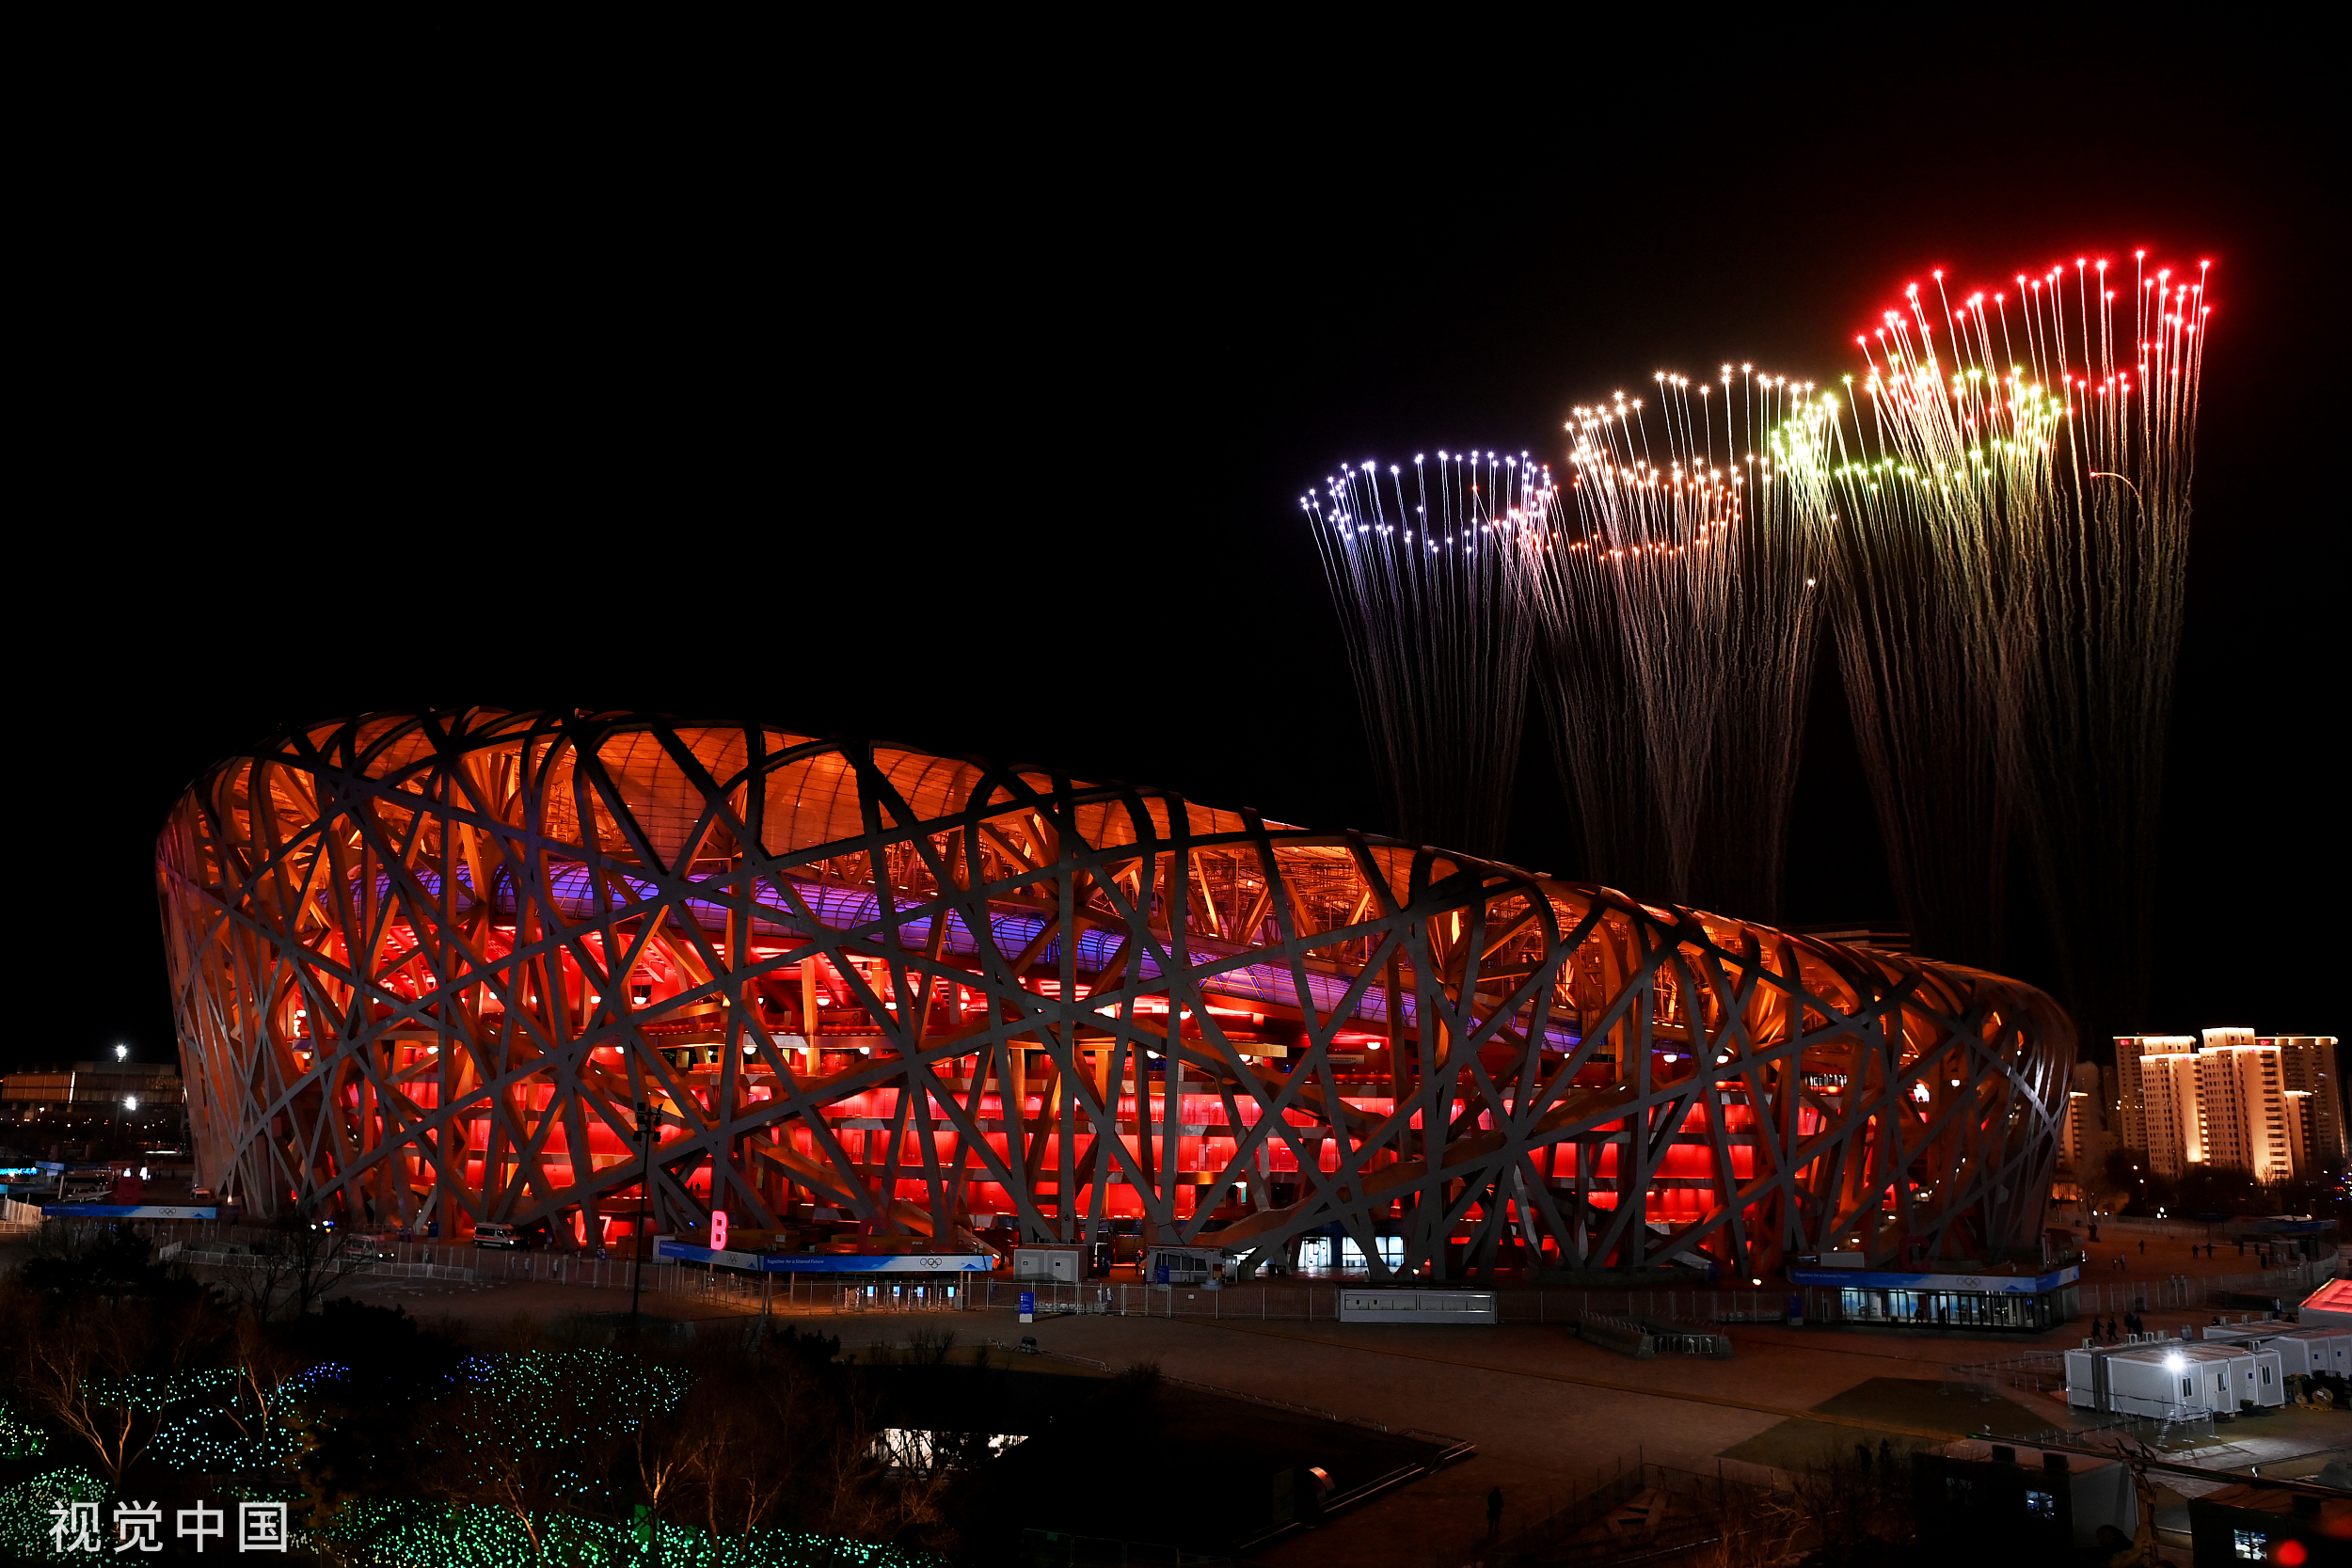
(434, 971)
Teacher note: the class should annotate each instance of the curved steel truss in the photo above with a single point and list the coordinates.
(426, 965)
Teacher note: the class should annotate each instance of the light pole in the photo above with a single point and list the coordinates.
(646, 1125)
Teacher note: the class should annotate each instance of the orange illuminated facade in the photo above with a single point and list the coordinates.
(427, 966)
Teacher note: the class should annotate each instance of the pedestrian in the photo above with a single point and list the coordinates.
(1494, 1513)
(1887, 1455)
(2143, 1246)
(1862, 1454)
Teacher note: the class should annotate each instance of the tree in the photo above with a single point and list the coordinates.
(536, 1433)
(296, 1264)
(99, 1339)
(106, 1372)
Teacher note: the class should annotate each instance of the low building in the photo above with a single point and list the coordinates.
(2174, 1379)
(2265, 1522)
(1969, 1301)
(89, 1084)
(2330, 1306)
(1983, 1499)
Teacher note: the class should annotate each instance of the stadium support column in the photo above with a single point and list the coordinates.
(1396, 1053)
(649, 1129)
(808, 1005)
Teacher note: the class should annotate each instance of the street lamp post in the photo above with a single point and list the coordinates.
(646, 1125)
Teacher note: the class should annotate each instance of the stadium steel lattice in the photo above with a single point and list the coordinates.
(425, 965)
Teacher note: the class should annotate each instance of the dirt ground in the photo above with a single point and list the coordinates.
(1551, 1415)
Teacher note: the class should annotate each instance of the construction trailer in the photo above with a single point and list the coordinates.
(2302, 1352)
(1061, 1265)
(1183, 1265)
(2173, 1378)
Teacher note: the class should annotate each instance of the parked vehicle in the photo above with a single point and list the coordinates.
(504, 1236)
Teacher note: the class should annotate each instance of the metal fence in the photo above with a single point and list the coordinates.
(1318, 1303)
(2035, 1372)
(1285, 1301)
(2176, 1292)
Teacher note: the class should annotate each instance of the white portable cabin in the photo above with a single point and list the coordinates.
(1181, 1265)
(2301, 1351)
(2174, 1379)
(1061, 1265)
(2305, 1351)
(2246, 1329)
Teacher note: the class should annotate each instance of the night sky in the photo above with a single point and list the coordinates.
(991, 441)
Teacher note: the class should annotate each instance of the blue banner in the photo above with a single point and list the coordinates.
(128, 1212)
(911, 1262)
(829, 1263)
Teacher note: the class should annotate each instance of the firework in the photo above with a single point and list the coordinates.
(2023, 494)
(1426, 563)
(1677, 594)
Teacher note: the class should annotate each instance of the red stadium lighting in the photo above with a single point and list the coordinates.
(459, 901)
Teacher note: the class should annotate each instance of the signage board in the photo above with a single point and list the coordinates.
(129, 1212)
(665, 1247)
(1028, 1307)
(908, 1262)
(827, 1262)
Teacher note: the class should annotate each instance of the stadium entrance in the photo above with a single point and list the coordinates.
(2028, 1303)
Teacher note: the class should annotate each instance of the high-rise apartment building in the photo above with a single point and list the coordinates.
(2171, 1134)
(2131, 1106)
(2316, 1112)
(2268, 1105)
(2241, 1106)
(2082, 1142)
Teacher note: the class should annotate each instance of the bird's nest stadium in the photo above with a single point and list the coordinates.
(427, 966)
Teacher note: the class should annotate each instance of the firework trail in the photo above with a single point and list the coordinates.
(2035, 472)
(1679, 606)
(1427, 569)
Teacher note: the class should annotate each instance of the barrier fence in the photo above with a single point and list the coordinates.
(214, 1244)
(2121, 1293)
